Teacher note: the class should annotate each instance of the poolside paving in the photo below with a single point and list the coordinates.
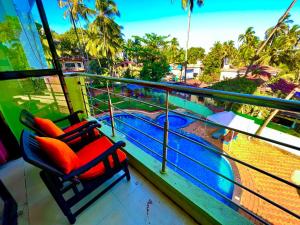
(266, 157)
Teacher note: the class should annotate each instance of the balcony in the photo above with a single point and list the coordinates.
(187, 166)
(259, 177)
(256, 187)
(134, 202)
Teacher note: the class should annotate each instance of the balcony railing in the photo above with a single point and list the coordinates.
(88, 88)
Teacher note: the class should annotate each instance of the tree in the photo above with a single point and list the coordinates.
(213, 61)
(195, 54)
(274, 112)
(132, 48)
(154, 71)
(76, 9)
(67, 42)
(190, 5)
(10, 30)
(150, 47)
(249, 42)
(105, 37)
(230, 52)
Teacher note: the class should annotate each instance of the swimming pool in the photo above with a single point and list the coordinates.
(199, 153)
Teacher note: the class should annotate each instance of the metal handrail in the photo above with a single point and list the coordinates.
(215, 150)
(237, 183)
(218, 193)
(210, 122)
(276, 103)
(149, 149)
(166, 146)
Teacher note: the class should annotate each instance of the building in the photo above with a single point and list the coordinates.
(72, 64)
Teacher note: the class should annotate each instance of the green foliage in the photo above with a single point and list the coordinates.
(173, 52)
(10, 45)
(249, 43)
(67, 42)
(104, 34)
(239, 84)
(213, 61)
(154, 70)
(94, 67)
(195, 54)
(128, 74)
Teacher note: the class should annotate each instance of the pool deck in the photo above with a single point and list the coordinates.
(269, 158)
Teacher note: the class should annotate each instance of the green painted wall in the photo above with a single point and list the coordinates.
(77, 95)
(30, 94)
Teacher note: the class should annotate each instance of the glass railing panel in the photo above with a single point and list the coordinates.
(23, 44)
(42, 97)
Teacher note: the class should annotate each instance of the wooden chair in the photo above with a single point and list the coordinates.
(27, 119)
(10, 215)
(58, 183)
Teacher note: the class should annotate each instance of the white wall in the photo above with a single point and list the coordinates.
(228, 75)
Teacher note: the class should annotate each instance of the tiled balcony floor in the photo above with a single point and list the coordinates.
(136, 202)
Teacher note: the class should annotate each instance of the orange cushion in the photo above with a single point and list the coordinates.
(48, 127)
(75, 126)
(59, 153)
(92, 151)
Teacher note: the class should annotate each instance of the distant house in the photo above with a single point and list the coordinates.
(192, 71)
(258, 73)
(125, 64)
(72, 64)
(227, 73)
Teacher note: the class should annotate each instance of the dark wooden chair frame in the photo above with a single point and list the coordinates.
(27, 119)
(10, 215)
(59, 183)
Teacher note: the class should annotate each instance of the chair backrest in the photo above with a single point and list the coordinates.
(27, 119)
(33, 154)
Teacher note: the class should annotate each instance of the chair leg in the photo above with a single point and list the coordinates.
(126, 170)
(54, 190)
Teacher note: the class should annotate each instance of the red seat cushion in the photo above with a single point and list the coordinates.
(92, 151)
(77, 125)
(48, 127)
(59, 153)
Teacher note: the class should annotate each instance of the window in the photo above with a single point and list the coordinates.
(69, 65)
(22, 40)
(79, 64)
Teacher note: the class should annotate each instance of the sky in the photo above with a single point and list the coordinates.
(216, 20)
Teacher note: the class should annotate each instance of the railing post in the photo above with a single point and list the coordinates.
(165, 141)
(111, 112)
(85, 95)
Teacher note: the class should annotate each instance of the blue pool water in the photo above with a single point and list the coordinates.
(206, 157)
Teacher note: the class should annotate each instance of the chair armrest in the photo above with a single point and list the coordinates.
(95, 161)
(72, 117)
(84, 129)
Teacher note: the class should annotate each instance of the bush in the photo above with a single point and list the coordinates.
(154, 71)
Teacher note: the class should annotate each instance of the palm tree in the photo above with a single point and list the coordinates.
(76, 9)
(281, 28)
(189, 5)
(271, 33)
(249, 42)
(105, 37)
